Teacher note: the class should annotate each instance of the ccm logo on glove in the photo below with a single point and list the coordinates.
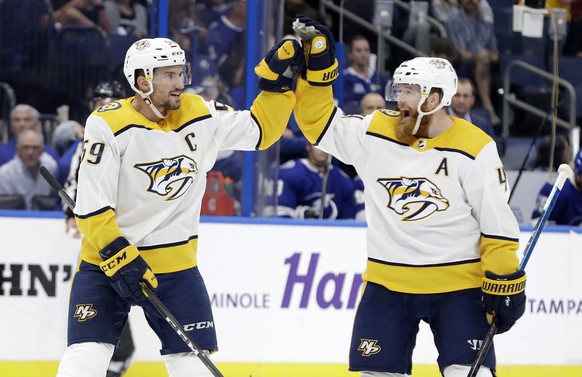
(113, 264)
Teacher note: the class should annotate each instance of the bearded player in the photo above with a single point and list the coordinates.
(441, 237)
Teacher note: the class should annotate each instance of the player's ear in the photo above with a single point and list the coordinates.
(143, 84)
(434, 99)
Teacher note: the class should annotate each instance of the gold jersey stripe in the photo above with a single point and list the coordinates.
(425, 279)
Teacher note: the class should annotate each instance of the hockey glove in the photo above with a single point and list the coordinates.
(126, 269)
(504, 298)
(281, 63)
(322, 66)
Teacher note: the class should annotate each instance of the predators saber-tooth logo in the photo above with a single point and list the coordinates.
(369, 347)
(415, 198)
(170, 177)
(84, 312)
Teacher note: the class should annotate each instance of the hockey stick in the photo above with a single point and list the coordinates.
(564, 172)
(155, 301)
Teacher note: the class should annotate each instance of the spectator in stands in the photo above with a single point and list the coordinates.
(360, 77)
(371, 102)
(22, 117)
(443, 9)
(231, 72)
(127, 17)
(568, 207)
(185, 25)
(65, 135)
(209, 11)
(543, 160)
(21, 174)
(304, 184)
(226, 41)
(224, 33)
(475, 41)
(81, 12)
(462, 106)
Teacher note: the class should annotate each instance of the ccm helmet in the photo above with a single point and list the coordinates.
(148, 54)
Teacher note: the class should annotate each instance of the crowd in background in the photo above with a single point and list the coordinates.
(213, 33)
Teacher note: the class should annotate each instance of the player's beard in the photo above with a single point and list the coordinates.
(168, 103)
(172, 103)
(404, 128)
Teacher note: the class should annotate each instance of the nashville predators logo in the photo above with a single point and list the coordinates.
(84, 312)
(369, 347)
(415, 198)
(170, 177)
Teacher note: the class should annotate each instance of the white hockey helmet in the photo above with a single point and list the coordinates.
(427, 73)
(148, 54)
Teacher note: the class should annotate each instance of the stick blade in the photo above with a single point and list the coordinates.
(564, 172)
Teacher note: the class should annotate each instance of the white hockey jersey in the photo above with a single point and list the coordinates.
(437, 210)
(145, 181)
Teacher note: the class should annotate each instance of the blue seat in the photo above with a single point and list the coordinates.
(44, 203)
(500, 4)
(10, 201)
(503, 18)
(569, 69)
(520, 76)
(509, 42)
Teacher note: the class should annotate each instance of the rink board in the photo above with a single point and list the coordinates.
(284, 296)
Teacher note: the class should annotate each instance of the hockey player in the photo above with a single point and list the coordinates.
(568, 207)
(140, 187)
(439, 226)
(308, 186)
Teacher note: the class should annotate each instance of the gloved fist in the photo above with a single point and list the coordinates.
(504, 298)
(322, 66)
(126, 269)
(281, 63)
